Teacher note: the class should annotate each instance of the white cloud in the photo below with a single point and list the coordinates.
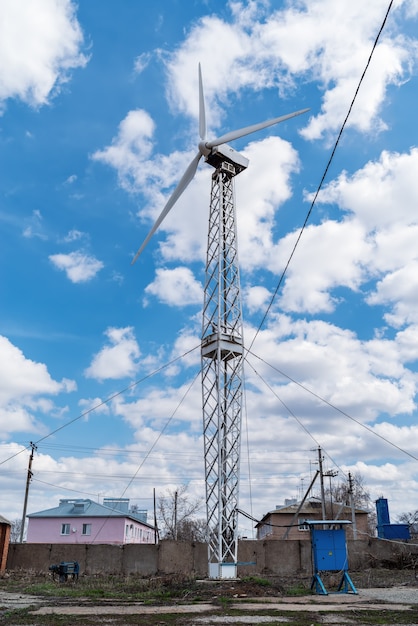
(381, 194)
(400, 289)
(74, 235)
(142, 62)
(130, 150)
(259, 50)
(117, 360)
(256, 298)
(273, 162)
(158, 406)
(260, 191)
(362, 377)
(331, 255)
(176, 287)
(24, 389)
(78, 266)
(71, 179)
(40, 43)
(34, 226)
(377, 237)
(93, 405)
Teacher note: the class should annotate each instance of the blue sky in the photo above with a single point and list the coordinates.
(99, 105)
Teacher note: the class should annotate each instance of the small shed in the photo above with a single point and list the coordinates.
(5, 528)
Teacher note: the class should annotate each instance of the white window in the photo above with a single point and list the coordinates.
(302, 525)
(65, 529)
(86, 529)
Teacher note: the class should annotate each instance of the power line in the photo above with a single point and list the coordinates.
(151, 448)
(102, 403)
(335, 408)
(324, 175)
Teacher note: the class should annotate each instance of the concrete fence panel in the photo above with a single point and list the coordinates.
(140, 559)
(255, 558)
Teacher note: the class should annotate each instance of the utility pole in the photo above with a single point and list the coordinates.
(175, 515)
(353, 511)
(331, 474)
(156, 534)
(321, 478)
(28, 479)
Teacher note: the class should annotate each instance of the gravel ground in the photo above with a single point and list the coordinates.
(396, 595)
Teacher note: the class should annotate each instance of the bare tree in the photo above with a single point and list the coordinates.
(341, 492)
(15, 531)
(411, 519)
(176, 512)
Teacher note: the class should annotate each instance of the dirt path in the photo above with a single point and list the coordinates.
(394, 599)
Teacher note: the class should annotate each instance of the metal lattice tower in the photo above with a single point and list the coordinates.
(222, 341)
(222, 365)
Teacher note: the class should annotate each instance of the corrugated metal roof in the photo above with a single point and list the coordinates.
(85, 508)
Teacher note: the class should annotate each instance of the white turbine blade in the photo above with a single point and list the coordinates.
(236, 134)
(202, 114)
(181, 186)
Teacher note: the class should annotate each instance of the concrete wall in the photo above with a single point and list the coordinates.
(280, 558)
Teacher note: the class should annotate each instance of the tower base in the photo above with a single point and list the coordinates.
(222, 571)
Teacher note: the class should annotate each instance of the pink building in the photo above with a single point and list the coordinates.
(86, 521)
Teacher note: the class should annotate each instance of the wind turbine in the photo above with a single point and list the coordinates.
(222, 346)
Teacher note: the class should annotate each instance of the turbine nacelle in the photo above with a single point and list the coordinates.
(215, 152)
(224, 152)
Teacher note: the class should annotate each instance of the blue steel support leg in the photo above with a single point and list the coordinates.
(319, 585)
(346, 584)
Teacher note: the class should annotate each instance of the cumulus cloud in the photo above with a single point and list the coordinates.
(130, 149)
(78, 266)
(260, 49)
(256, 298)
(176, 287)
(362, 377)
(39, 46)
(25, 390)
(377, 237)
(118, 359)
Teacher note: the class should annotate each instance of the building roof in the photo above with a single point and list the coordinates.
(88, 508)
(311, 506)
(3, 520)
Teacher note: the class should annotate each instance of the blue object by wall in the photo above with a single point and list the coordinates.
(329, 550)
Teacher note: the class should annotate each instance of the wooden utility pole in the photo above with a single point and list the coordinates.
(175, 515)
(321, 478)
(156, 535)
(353, 510)
(28, 479)
(331, 474)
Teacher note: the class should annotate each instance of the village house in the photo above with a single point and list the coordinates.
(274, 524)
(86, 521)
